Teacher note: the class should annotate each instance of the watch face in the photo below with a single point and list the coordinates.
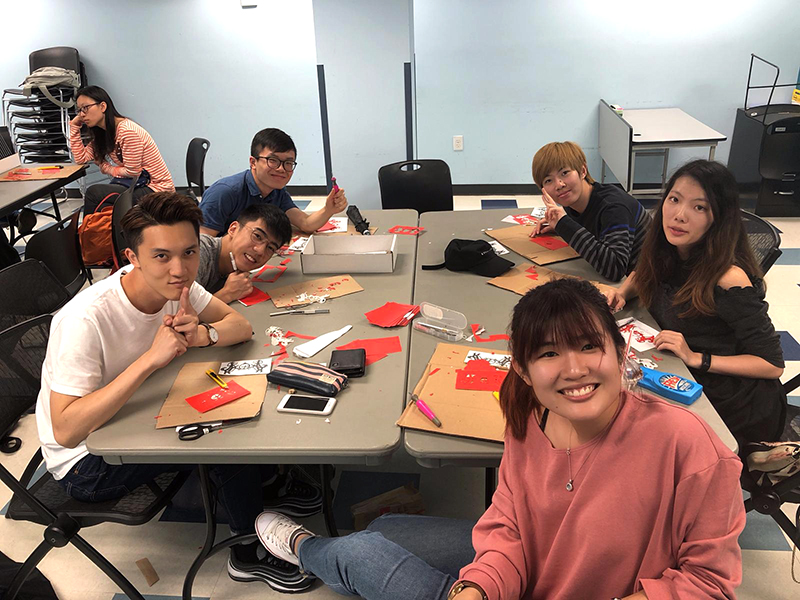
(213, 335)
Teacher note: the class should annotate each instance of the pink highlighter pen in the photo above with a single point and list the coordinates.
(335, 187)
(425, 410)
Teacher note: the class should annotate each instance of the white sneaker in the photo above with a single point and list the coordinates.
(277, 532)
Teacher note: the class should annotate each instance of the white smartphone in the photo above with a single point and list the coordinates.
(310, 405)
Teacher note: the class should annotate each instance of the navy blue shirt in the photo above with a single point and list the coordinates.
(225, 199)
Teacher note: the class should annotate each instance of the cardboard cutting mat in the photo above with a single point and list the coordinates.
(518, 238)
(334, 287)
(34, 173)
(523, 278)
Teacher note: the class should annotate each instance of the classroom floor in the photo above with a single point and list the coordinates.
(171, 542)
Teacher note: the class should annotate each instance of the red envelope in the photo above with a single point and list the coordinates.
(549, 242)
(479, 375)
(254, 297)
(217, 397)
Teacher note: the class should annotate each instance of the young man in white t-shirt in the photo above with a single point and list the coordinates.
(108, 339)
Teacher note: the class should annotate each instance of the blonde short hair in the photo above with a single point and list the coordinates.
(557, 155)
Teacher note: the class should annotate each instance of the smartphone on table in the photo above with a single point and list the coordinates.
(310, 405)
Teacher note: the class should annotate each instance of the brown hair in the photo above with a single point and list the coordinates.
(724, 245)
(159, 208)
(568, 312)
(557, 155)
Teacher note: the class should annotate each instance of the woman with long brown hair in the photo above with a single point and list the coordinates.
(700, 280)
(601, 493)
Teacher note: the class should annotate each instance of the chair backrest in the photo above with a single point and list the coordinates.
(423, 185)
(122, 205)
(22, 351)
(29, 290)
(6, 143)
(764, 239)
(57, 247)
(58, 56)
(195, 161)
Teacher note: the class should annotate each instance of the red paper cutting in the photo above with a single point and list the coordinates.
(327, 227)
(549, 242)
(254, 297)
(406, 230)
(292, 334)
(286, 261)
(217, 397)
(278, 273)
(479, 375)
(492, 338)
(436, 370)
(392, 314)
(376, 348)
(524, 219)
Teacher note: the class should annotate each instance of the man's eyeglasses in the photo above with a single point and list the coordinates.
(258, 238)
(275, 163)
(81, 110)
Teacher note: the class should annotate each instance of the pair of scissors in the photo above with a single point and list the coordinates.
(187, 433)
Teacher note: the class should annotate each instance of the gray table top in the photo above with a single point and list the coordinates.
(362, 426)
(669, 126)
(491, 307)
(16, 194)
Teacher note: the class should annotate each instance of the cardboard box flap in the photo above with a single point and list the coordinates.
(191, 380)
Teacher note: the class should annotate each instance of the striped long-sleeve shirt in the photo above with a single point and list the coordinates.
(134, 151)
(609, 233)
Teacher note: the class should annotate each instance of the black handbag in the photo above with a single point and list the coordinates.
(308, 378)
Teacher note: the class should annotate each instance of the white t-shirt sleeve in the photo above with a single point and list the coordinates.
(75, 357)
(199, 297)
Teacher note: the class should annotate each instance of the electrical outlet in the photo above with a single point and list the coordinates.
(458, 143)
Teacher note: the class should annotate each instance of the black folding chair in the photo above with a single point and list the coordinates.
(29, 290)
(423, 185)
(57, 247)
(764, 239)
(44, 501)
(195, 161)
(123, 204)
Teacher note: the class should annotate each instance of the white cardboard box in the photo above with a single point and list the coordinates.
(349, 254)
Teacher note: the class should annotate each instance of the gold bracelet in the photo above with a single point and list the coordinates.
(461, 586)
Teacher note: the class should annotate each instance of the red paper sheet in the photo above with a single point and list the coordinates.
(549, 242)
(479, 375)
(254, 297)
(406, 230)
(274, 278)
(286, 261)
(376, 348)
(292, 334)
(217, 397)
(327, 227)
(392, 314)
(492, 338)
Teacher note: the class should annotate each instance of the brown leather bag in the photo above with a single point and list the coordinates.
(94, 235)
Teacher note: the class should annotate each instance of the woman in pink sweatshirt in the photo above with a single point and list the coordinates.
(602, 493)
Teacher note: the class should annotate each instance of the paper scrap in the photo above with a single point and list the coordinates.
(256, 366)
(519, 220)
(406, 230)
(334, 225)
(642, 335)
(262, 277)
(477, 330)
(146, 567)
(309, 349)
(496, 359)
(479, 375)
(217, 396)
(539, 212)
(499, 249)
(299, 244)
(254, 297)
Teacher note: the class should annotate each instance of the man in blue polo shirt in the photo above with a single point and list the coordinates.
(273, 159)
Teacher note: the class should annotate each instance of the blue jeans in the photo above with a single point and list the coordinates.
(398, 557)
(92, 479)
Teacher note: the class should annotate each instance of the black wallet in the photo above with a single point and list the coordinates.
(352, 363)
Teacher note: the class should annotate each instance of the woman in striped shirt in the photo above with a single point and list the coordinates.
(120, 147)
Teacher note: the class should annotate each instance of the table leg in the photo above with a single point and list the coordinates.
(209, 505)
(664, 168)
(711, 152)
(326, 478)
(55, 206)
(491, 485)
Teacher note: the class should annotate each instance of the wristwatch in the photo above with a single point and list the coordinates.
(213, 336)
(705, 365)
(461, 586)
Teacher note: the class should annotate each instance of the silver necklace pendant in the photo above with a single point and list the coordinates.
(569, 485)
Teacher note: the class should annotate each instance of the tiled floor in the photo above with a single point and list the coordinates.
(455, 492)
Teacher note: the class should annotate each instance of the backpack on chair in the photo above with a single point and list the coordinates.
(45, 77)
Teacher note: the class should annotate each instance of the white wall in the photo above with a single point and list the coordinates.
(513, 75)
(363, 45)
(188, 68)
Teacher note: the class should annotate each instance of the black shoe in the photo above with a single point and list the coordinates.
(243, 565)
(292, 496)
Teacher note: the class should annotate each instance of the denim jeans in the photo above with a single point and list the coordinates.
(398, 557)
(92, 479)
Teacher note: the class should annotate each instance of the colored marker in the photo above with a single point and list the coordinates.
(425, 410)
(335, 187)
